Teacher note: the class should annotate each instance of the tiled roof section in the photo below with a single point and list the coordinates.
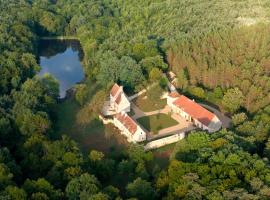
(129, 123)
(115, 89)
(118, 99)
(194, 110)
(174, 94)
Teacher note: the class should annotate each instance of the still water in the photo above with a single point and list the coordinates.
(61, 59)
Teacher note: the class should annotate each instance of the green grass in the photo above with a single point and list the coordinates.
(147, 105)
(154, 123)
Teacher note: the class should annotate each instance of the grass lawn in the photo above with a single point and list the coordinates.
(147, 105)
(154, 123)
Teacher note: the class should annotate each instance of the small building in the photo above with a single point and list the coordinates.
(171, 75)
(129, 128)
(117, 103)
(193, 112)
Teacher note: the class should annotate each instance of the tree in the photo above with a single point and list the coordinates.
(182, 81)
(146, 49)
(131, 73)
(96, 156)
(31, 123)
(51, 85)
(81, 93)
(99, 196)
(136, 153)
(82, 187)
(112, 191)
(197, 92)
(41, 189)
(218, 93)
(15, 193)
(155, 74)
(149, 63)
(239, 118)
(232, 100)
(5, 176)
(109, 68)
(140, 189)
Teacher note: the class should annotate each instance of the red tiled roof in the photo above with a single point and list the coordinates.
(194, 110)
(127, 122)
(118, 99)
(115, 89)
(174, 94)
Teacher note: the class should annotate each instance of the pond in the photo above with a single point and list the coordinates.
(62, 59)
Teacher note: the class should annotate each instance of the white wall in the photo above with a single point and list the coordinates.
(139, 136)
(164, 141)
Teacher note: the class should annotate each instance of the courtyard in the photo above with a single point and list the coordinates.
(156, 118)
(155, 123)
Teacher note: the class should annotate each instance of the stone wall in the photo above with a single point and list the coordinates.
(164, 141)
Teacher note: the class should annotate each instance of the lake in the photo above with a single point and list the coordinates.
(62, 59)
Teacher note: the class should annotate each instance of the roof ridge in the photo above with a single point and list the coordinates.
(194, 109)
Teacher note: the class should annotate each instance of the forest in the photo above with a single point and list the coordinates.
(219, 51)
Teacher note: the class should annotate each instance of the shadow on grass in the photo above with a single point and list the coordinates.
(93, 135)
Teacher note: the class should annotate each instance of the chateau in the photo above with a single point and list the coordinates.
(118, 106)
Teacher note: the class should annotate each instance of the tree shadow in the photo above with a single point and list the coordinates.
(190, 156)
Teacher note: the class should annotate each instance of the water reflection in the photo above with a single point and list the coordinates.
(61, 58)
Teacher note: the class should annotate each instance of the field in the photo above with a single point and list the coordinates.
(154, 123)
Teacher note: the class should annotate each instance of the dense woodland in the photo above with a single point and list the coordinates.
(219, 51)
